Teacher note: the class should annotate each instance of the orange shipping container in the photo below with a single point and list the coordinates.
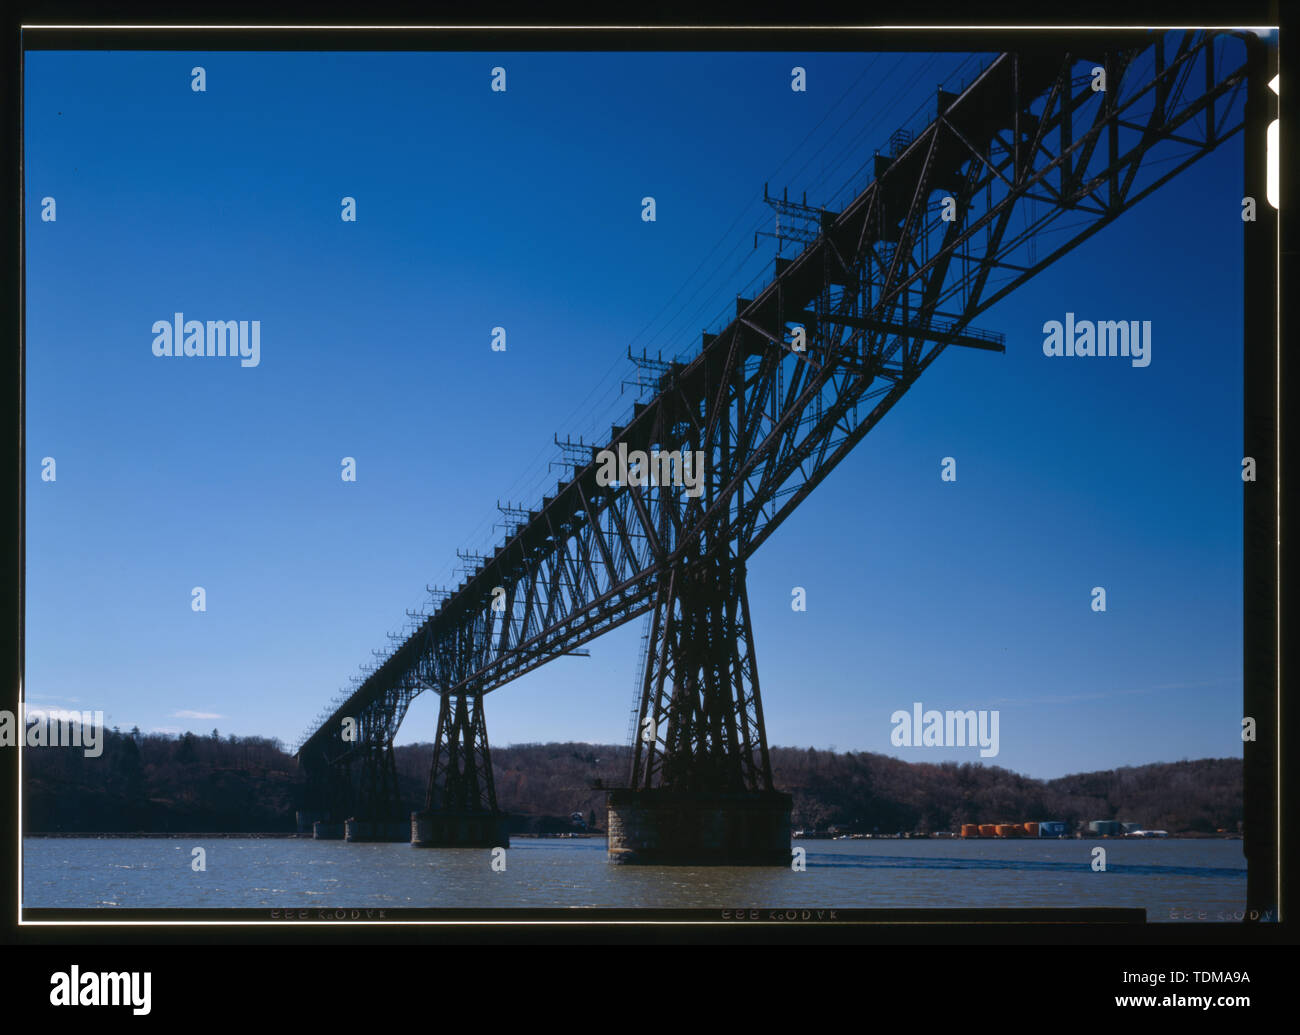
(988, 830)
(1031, 829)
(970, 830)
(1007, 830)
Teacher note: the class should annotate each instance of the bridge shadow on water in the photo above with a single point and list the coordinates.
(915, 862)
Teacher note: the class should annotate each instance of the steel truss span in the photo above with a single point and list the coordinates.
(1034, 161)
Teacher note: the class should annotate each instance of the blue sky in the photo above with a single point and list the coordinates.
(478, 209)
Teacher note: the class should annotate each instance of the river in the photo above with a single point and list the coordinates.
(1171, 879)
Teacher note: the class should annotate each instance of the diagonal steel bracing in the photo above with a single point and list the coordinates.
(460, 779)
(700, 721)
(1034, 162)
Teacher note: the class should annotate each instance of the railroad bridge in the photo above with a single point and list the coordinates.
(955, 217)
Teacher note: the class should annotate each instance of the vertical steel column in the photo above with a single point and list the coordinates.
(700, 689)
(460, 779)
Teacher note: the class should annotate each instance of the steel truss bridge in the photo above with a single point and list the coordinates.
(1036, 161)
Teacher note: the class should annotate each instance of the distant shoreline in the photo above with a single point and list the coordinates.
(155, 786)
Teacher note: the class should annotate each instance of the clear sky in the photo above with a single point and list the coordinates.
(522, 209)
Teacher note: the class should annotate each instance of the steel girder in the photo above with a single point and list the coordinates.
(700, 720)
(886, 286)
(460, 779)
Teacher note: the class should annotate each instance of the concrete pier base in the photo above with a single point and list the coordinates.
(459, 830)
(324, 831)
(672, 828)
(361, 830)
(307, 820)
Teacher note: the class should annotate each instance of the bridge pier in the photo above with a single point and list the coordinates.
(459, 830)
(743, 828)
(364, 830)
(306, 819)
(326, 798)
(378, 816)
(461, 804)
(701, 787)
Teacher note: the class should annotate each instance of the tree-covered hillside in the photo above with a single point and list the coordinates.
(233, 784)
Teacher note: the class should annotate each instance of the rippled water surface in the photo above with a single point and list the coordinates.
(1167, 878)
